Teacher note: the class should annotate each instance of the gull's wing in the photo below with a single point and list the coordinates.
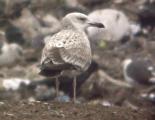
(67, 47)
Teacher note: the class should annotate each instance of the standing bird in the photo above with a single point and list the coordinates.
(68, 52)
(139, 72)
(10, 53)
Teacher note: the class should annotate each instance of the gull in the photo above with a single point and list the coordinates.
(116, 23)
(139, 71)
(11, 53)
(68, 52)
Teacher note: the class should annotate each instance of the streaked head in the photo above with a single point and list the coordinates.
(79, 21)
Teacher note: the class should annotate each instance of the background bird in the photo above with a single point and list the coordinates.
(68, 52)
(116, 23)
(11, 53)
(139, 71)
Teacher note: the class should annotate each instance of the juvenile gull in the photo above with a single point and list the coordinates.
(68, 51)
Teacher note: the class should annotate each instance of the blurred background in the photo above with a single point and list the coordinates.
(128, 37)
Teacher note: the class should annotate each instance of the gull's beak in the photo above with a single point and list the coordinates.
(96, 24)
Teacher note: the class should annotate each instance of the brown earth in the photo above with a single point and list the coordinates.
(68, 111)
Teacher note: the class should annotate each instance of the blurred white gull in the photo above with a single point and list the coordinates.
(116, 24)
(10, 53)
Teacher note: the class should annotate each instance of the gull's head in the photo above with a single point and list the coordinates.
(2, 36)
(79, 21)
(126, 62)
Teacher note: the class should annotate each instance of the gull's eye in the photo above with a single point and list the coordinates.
(82, 19)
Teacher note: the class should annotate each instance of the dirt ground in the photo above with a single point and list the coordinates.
(68, 111)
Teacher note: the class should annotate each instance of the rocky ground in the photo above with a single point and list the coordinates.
(69, 111)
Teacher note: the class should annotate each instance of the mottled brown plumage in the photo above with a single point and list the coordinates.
(69, 49)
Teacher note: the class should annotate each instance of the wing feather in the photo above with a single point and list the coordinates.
(67, 47)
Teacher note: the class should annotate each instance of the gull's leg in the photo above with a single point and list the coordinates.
(74, 89)
(57, 86)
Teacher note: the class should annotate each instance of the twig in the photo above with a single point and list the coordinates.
(150, 89)
(112, 80)
(132, 106)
